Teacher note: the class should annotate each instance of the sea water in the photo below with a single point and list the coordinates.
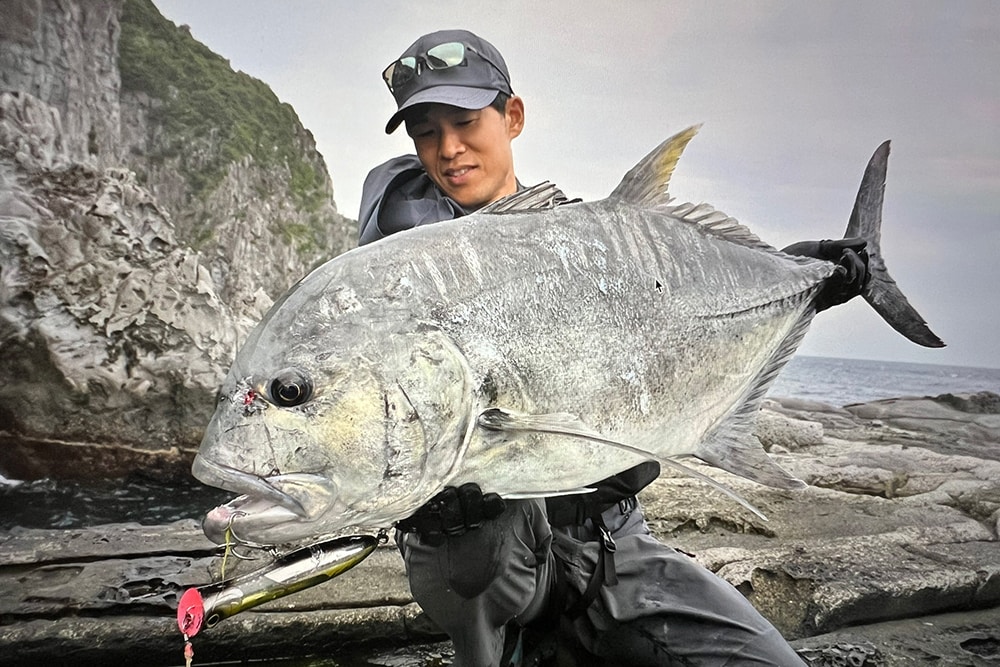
(841, 382)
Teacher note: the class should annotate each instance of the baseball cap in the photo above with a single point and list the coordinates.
(469, 76)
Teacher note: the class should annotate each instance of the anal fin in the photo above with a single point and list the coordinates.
(743, 455)
(498, 419)
(733, 446)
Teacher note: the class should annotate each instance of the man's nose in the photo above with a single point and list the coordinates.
(451, 144)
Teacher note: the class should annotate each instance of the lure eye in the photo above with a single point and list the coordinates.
(290, 387)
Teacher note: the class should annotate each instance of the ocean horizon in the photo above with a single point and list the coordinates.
(842, 381)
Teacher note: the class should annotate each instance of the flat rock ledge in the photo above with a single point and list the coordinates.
(889, 557)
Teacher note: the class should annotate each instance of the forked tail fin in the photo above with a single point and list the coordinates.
(882, 292)
(732, 446)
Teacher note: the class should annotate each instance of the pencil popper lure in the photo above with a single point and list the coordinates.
(205, 606)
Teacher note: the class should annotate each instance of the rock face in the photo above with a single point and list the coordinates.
(131, 269)
(234, 166)
(889, 558)
(113, 334)
(66, 53)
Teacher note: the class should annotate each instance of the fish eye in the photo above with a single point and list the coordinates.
(290, 387)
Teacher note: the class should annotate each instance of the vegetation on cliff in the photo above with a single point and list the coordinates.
(203, 101)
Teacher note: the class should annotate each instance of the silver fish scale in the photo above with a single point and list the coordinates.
(590, 309)
(640, 325)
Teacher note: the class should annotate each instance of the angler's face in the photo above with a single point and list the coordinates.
(466, 152)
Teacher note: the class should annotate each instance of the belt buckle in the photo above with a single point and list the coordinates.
(607, 541)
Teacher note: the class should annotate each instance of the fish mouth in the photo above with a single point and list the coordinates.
(271, 510)
(237, 481)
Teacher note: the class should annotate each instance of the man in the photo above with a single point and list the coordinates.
(504, 579)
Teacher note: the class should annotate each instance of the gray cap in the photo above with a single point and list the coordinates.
(473, 85)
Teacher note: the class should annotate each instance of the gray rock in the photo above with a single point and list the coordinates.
(123, 300)
(961, 425)
(970, 638)
(778, 432)
(112, 336)
(65, 53)
(898, 523)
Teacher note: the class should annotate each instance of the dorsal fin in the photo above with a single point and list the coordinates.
(722, 226)
(717, 224)
(646, 183)
(541, 197)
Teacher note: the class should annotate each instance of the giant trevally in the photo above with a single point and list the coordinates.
(531, 348)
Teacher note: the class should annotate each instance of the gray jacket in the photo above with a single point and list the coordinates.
(399, 195)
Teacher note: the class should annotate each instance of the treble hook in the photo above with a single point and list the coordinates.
(240, 542)
(236, 554)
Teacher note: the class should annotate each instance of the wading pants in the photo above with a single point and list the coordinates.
(665, 609)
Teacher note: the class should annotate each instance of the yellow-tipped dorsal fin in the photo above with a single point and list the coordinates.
(646, 183)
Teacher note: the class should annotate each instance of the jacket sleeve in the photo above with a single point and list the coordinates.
(398, 195)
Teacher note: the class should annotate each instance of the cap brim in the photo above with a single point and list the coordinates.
(456, 96)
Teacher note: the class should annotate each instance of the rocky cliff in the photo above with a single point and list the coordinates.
(66, 54)
(234, 166)
(153, 202)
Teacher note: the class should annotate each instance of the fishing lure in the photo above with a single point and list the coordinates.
(206, 606)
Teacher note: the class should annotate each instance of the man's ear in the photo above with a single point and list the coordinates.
(515, 116)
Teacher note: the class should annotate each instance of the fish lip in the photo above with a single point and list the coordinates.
(219, 521)
(231, 479)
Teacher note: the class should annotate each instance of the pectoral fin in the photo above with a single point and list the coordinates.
(562, 423)
(548, 494)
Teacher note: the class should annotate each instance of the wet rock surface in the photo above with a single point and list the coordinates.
(112, 336)
(890, 557)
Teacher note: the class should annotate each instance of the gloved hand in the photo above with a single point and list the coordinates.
(851, 275)
(453, 511)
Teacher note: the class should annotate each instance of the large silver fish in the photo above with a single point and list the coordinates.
(532, 349)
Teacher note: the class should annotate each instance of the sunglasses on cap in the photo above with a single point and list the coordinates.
(440, 57)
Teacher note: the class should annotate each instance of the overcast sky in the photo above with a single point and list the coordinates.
(794, 97)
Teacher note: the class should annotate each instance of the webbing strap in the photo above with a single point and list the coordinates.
(604, 572)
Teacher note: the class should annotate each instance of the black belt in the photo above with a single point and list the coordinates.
(574, 511)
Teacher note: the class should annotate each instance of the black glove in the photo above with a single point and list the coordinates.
(851, 275)
(453, 511)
